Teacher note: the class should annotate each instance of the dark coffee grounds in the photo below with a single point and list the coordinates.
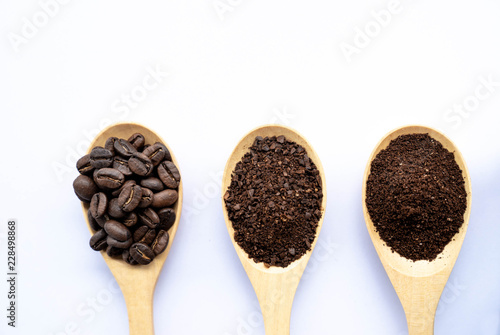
(274, 201)
(416, 196)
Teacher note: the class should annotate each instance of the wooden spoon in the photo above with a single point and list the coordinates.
(137, 282)
(275, 286)
(419, 284)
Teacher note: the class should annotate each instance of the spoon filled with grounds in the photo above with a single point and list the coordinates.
(274, 199)
(416, 204)
(131, 196)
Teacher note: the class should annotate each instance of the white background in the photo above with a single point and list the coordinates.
(260, 62)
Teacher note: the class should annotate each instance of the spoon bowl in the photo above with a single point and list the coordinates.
(275, 287)
(419, 284)
(137, 282)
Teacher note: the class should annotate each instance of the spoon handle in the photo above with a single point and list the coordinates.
(420, 302)
(427, 329)
(139, 302)
(277, 318)
(420, 323)
(275, 293)
(420, 318)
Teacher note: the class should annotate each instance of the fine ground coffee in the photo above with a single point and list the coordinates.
(416, 196)
(274, 201)
(131, 188)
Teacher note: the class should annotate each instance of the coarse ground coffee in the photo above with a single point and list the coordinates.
(274, 201)
(416, 196)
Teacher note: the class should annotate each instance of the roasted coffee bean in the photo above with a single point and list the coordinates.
(114, 252)
(117, 230)
(142, 253)
(119, 244)
(137, 140)
(153, 183)
(130, 220)
(98, 240)
(160, 242)
(169, 174)
(156, 153)
(114, 210)
(146, 198)
(92, 222)
(101, 158)
(98, 205)
(121, 164)
(124, 148)
(140, 164)
(102, 220)
(164, 198)
(149, 217)
(108, 178)
(130, 197)
(121, 185)
(126, 257)
(110, 144)
(149, 237)
(84, 188)
(116, 193)
(140, 233)
(83, 165)
(167, 218)
(163, 147)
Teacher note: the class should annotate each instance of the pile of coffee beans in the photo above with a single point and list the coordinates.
(131, 188)
(274, 201)
(416, 197)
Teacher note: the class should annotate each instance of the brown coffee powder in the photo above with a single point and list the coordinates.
(415, 195)
(274, 201)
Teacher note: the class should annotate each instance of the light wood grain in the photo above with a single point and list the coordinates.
(419, 284)
(137, 282)
(275, 287)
